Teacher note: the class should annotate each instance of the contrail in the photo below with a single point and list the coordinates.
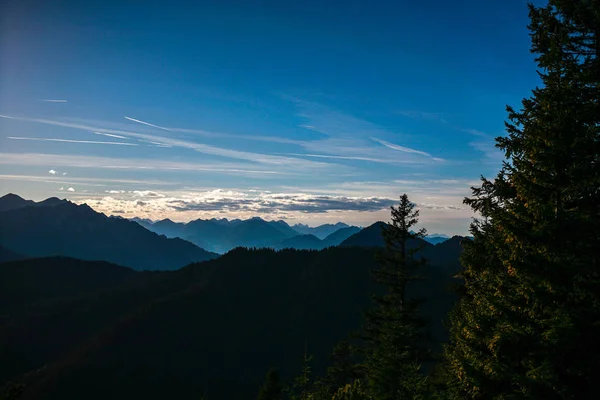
(71, 141)
(147, 123)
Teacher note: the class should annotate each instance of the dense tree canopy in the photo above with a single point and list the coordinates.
(530, 318)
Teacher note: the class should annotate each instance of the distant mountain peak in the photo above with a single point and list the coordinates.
(60, 227)
(12, 196)
(51, 202)
(12, 201)
(321, 231)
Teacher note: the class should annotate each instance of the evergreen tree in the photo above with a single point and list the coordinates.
(528, 324)
(271, 388)
(394, 330)
(302, 386)
(342, 371)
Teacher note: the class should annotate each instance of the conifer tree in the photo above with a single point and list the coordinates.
(302, 386)
(271, 388)
(529, 322)
(342, 371)
(394, 330)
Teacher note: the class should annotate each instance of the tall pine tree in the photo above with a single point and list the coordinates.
(529, 322)
(393, 329)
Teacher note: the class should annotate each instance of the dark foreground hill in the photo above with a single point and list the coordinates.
(27, 282)
(214, 327)
(59, 227)
(7, 255)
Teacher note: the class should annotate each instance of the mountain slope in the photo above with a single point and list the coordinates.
(321, 231)
(7, 255)
(371, 237)
(12, 201)
(165, 227)
(67, 229)
(337, 237)
(221, 235)
(214, 327)
(302, 242)
(436, 238)
(34, 280)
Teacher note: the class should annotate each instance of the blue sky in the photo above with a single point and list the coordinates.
(313, 111)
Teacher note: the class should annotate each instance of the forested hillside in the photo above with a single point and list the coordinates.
(213, 327)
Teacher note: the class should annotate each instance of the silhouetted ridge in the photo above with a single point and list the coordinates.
(12, 201)
(68, 229)
(337, 237)
(302, 242)
(371, 237)
(51, 202)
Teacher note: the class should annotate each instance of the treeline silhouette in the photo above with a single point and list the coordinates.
(212, 328)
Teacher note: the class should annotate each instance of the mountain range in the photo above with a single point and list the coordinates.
(222, 235)
(59, 227)
(76, 322)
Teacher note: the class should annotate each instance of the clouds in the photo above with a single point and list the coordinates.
(238, 201)
(162, 141)
(70, 189)
(146, 123)
(439, 206)
(350, 138)
(110, 135)
(109, 163)
(70, 141)
(400, 148)
(52, 172)
(486, 144)
(53, 101)
(301, 174)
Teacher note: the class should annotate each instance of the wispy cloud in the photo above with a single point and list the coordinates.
(70, 141)
(52, 172)
(95, 162)
(260, 138)
(70, 189)
(53, 101)
(146, 123)
(475, 132)
(110, 135)
(487, 146)
(440, 206)
(338, 157)
(400, 148)
(259, 158)
(96, 182)
(349, 137)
